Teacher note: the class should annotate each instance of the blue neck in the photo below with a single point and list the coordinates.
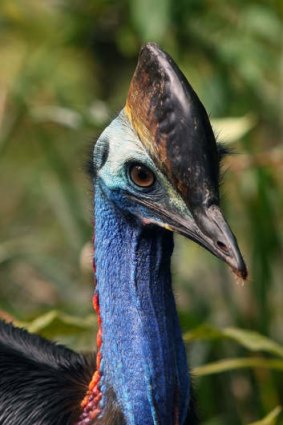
(143, 356)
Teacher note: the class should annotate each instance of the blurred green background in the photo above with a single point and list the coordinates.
(64, 73)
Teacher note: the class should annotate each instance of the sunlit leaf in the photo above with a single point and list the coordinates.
(251, 340)
(228, 365)
(56, 323)
(271, 418)
(230, 130)
(52, 113)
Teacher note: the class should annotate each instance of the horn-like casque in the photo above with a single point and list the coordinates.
(173, 125)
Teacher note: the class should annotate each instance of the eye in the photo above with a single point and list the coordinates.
(141, 176)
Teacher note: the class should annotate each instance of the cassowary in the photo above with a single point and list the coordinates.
(155, 172)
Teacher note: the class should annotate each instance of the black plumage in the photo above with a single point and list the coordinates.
(41, 383)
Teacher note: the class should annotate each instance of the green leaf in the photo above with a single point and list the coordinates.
(57, 114)
(231, 130)
(238, 363)
(251, 340)
(271, 418)
(254, 341)
(55, 323)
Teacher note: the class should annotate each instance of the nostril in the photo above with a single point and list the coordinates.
(223, 247)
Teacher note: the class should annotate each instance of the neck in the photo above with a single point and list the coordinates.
(143, 358)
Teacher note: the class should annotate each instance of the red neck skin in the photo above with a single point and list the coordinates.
(91, 403)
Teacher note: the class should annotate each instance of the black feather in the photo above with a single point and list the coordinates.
(193, 416)
(93, 165)
(88, 163)
(41, 383)
(223, 151)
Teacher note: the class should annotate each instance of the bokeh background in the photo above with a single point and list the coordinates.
(65, 68)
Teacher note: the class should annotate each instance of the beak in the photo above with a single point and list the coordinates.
(204, 225)
(209, 229)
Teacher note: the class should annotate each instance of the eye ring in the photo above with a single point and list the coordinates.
(141, 176)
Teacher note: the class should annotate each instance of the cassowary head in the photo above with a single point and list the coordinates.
(159, 162)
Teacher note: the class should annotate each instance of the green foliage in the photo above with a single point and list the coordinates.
(271, 418)
(153, 25)
(253, 341)
(70, 330)
(65, 70)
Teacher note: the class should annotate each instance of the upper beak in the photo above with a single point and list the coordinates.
(210, 229)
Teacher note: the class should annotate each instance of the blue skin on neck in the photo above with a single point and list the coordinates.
(143, 356)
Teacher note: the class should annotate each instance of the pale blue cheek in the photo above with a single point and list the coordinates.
(118, 196)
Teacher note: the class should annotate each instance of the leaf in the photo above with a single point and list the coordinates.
(251, 340)
(238, 363)
(231, 130)
(57, 114)
(56, 323)
(97, 114)
(271, 418)
(254, 341)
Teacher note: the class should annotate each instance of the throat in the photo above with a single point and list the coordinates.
(142, 358)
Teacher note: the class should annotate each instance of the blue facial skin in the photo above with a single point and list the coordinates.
(143, 355)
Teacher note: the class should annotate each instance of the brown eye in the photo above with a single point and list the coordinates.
(141, 175)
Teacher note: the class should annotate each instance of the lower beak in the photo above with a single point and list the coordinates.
(210, 229)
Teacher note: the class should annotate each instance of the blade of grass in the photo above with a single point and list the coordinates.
(271, 418)
(56, 323)
(238, 363)
(251, 340)
(231, 129)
